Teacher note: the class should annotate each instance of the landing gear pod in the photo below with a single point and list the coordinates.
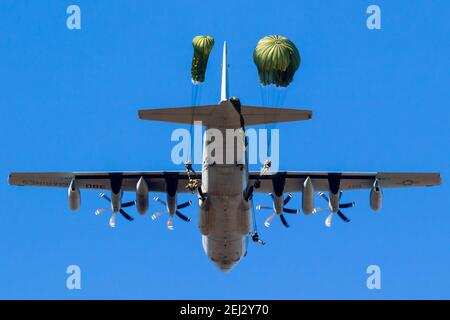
(142, 196)
(74, 196)
(308, 197)
(376, 196)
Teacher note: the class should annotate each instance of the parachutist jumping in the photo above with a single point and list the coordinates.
(193, 184)
(188, 166)
(255, 238)
(266, 167)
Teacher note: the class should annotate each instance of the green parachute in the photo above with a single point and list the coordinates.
(202, 48)
(277, 60)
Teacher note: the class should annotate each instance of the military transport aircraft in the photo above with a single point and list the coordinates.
(225, 190)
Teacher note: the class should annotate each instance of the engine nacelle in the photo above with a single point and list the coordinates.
(376, 196)
(278, 203)
(334, 202)
(171, 203)
(116, 201)
(74, 196)
(142, 196)
(308, 197)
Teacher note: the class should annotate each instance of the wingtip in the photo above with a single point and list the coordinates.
(439, 178)
(11, 179)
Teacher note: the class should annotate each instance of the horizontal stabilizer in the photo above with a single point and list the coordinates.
(225, 115)
(265, 115)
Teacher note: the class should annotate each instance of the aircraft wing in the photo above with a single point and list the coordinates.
(333, 181)
(157, 181)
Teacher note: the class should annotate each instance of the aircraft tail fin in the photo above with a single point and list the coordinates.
(224, 84)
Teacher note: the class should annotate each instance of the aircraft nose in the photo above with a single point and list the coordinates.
(225, 265)
(224, 256)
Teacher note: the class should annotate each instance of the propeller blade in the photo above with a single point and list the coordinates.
(157, 214)
(283, 220)
(112, 220)
(102, 195)
(128, 204)
(157, 199)
(182, 216)
(287, 199)
(287, 210)
(269, 219)
(323, 196)
(263, 207)
(170, 222)
(126, 215)
(346, 205)
(184, 205)
(328, 220)
(99, 211)
(342, 216)
(320, 209)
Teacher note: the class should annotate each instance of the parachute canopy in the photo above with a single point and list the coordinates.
(202, 48)
(277, 60)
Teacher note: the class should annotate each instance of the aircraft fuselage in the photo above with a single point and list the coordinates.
(225, 216)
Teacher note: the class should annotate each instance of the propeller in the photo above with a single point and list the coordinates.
(112, 220)
(339, 212)
(280, 214)
(177, 212)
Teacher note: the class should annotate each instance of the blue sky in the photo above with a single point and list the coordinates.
(69, 102)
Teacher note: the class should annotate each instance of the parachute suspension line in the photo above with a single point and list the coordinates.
(255, 225)
(195, 101)
(254, 233)
(264, 99)
(191, 125)
(276, 97)
(196, 93)
(194, 184)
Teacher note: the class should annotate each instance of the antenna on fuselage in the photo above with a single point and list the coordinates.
(224, 85)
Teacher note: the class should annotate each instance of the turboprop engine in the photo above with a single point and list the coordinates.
(116, 201)
(308, 197)
(171, 208)
(74, 196)
(376, 196)
(278, 208)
